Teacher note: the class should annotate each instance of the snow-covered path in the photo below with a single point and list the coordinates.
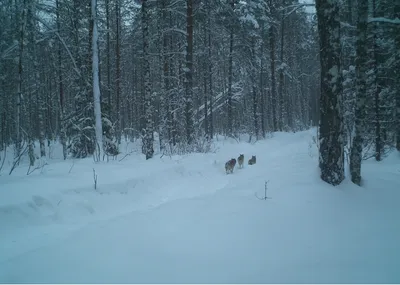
(183, 220)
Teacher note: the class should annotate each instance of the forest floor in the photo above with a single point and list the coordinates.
(182, 219)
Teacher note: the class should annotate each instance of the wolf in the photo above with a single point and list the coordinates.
(252, 160)
(241, 160)
(230, 165)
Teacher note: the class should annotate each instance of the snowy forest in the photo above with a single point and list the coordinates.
(90, 74)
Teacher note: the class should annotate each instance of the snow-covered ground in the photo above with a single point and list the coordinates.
(181, 219)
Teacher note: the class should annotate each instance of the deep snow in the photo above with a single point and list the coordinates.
(181, 219)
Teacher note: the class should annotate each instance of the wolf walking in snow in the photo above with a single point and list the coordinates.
(241, 160)
(252, 160)
(230, 165)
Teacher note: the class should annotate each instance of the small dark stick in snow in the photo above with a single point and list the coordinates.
(265, 192)
(95, 179)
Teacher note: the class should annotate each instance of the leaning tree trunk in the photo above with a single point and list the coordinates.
(331, 153)
(361, 69)
(148, 138)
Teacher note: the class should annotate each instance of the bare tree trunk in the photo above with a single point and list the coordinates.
(206, 130)
(361, 73)
(210, 73)
(378, 90)
(397, 45)
(254, 87)
(331, 152)
(189, 73)
(166, 99)
(108, 58)
(22, 26)
(39, 95)
(148, 138)
(118, 72)
(230, 75)
(281, 74)
(61, 87)
(96, 82)
(273, 77)
(262, 91)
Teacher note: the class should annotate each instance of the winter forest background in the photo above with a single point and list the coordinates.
(187, 70)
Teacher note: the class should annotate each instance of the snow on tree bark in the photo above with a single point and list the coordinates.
(148, 138)
(361, 79)
(96, 83)
(331, 153)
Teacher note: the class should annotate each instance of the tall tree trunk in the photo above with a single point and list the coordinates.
(189, 73)
(210, 81)
(205, 84)
(262, 91)
(38, 94)
(281, 74)
(166, 99)
(22, 26)
(361, 70)
(118, 72)
(108, 58)
(254, 87)
(378, 87)
(230, 75)
(273, 77)
(397, 45)
(96, 82)
(61, 115)
(148, 138)
(331, 154)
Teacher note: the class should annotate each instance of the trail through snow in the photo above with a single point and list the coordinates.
(183, 220)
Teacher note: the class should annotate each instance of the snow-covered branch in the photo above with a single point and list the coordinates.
(395, 21)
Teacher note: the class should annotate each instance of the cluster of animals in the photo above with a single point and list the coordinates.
(230, 164)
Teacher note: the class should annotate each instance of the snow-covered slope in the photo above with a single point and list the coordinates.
(183, 220)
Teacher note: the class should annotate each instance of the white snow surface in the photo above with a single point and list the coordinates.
(181, 219)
